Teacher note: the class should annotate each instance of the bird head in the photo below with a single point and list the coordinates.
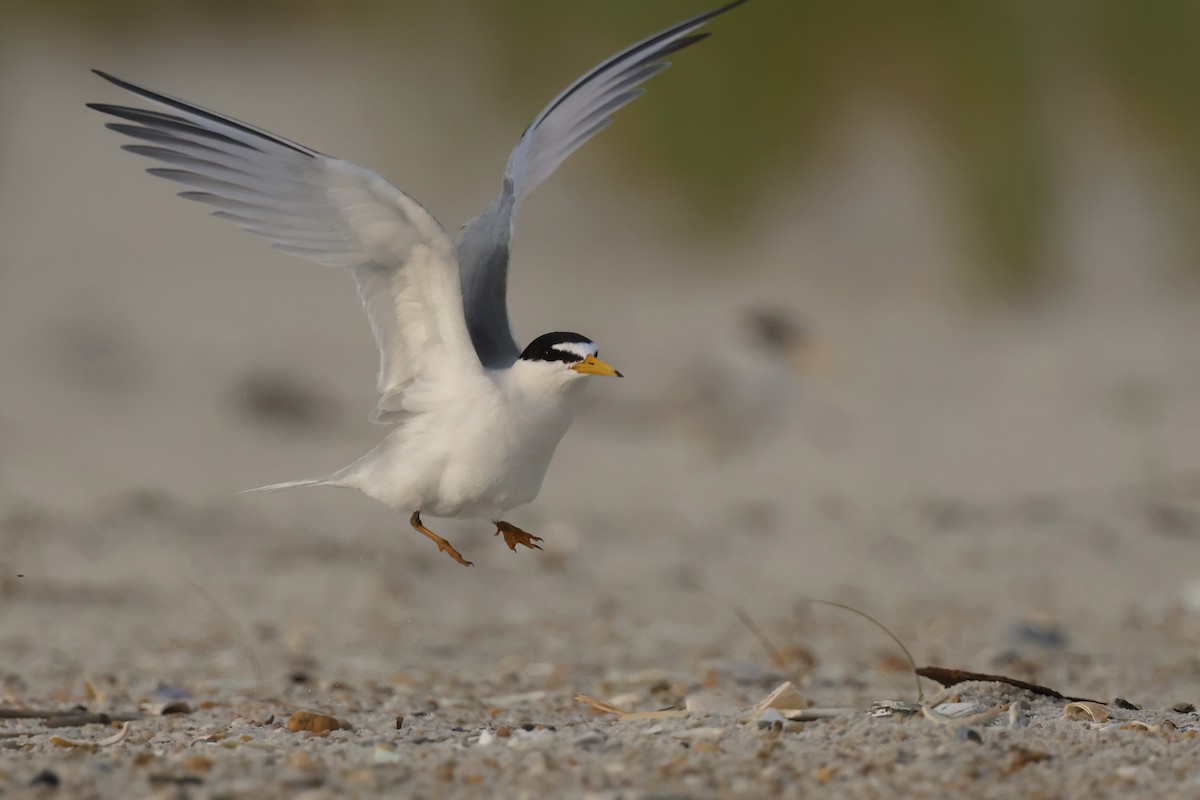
(560, 358)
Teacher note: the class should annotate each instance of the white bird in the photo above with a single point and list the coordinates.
(477, 418)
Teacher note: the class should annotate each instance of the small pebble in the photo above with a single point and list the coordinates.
(1183, 708)
(385, 754)
(45, 778)
(313, 723)
(824, 774)
(1043, 633)
(1121, 702)
(969, 735)
(197, 764)
(590, 740)
(770, 718)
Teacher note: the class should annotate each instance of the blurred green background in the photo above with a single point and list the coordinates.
(988, 82)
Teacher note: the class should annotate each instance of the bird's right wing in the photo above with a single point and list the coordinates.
(577, 114)
(328, 211)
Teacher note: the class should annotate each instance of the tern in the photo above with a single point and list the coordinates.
(476, 417)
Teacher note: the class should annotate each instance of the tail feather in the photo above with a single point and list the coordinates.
(278, 487)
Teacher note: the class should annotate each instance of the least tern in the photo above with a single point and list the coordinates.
(477, 417)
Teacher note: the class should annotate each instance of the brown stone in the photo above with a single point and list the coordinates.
(312, 723)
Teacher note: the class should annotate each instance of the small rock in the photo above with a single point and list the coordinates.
(591, 740)
(1042, 632)
(1135, 773)
(314, 723)
(170, 779)
(1022, 757)
(969, 735)
(1121, 702)
(486, 738)
(45, 778)
(197, 764)
(503, 732)
(160, 707)
(1184, 708)
(824, 774)
(385, 754)
(770, 718)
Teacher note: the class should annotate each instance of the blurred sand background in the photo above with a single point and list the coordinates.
(998, 451)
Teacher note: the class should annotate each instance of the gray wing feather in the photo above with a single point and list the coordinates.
(325, 210)
(581, 111)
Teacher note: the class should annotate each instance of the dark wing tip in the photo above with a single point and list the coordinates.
(726, 7)
(112, 79)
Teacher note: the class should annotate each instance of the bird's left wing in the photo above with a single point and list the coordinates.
(581, 111)
(325, 210)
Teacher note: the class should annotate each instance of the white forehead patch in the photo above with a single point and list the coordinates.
(580, 349)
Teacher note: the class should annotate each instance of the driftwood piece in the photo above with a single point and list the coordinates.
(950, 677)
(70, 717)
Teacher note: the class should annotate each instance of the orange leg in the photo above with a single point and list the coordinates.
(514, 536)
(442, 544)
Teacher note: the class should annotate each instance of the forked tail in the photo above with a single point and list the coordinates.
(278, 487)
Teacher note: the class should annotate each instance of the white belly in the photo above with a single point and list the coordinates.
(467, 460)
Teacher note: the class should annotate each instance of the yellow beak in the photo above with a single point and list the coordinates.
(594, 366)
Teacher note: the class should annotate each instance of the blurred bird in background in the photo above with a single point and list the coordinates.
(735, 392)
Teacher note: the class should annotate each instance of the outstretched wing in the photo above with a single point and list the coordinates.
(581, 111)
(328, 211)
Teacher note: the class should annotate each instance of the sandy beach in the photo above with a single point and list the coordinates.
(1010, 491)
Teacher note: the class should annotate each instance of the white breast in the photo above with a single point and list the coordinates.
(474, 456)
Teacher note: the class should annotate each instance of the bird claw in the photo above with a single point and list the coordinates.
(514, 536)
(442, 545)
(446, 547)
